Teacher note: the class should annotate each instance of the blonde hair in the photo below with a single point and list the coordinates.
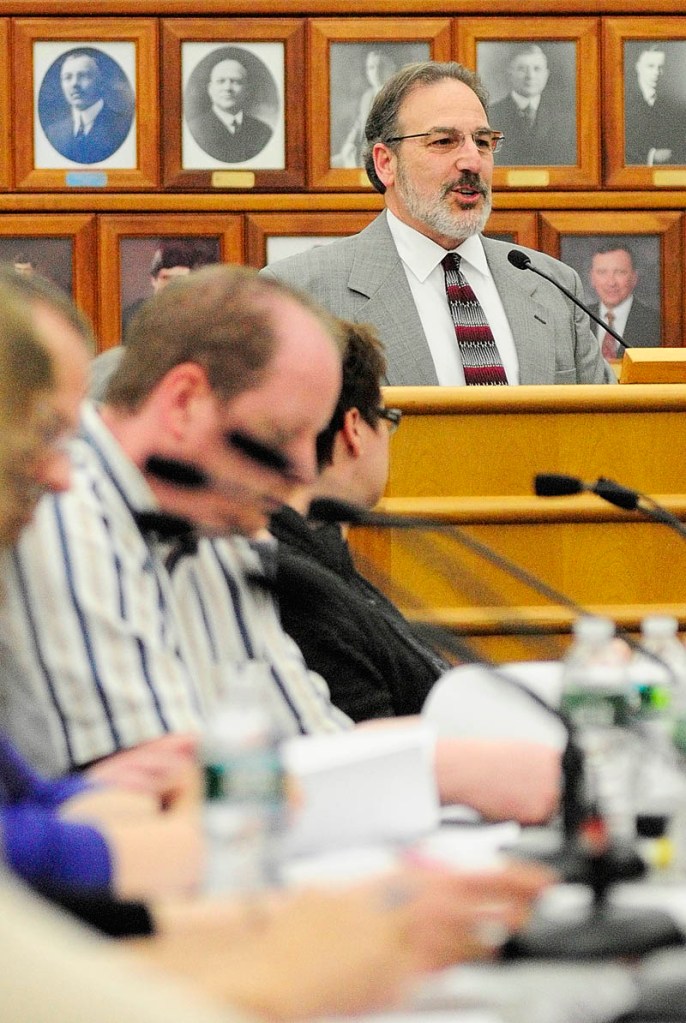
(25, 378)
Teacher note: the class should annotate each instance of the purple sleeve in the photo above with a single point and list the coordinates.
(43, 849)
(20, 783)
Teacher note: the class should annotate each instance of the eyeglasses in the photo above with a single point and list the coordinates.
(392, 417)
(449, 139)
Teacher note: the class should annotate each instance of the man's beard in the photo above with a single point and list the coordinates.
(436, 213)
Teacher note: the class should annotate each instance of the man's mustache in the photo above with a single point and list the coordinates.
(467, 180)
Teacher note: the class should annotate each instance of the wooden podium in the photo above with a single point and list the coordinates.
(468, 457)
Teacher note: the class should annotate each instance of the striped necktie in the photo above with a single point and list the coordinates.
(480, 357)
(609, 343)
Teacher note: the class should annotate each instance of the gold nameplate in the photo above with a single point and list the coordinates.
(670, 178)
(530, 178)
(233, 179)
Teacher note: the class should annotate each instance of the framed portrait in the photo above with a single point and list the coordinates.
(350, 59)
(622, 259)
(644, 119)
(273, 236)
(232, 110)
(542, 79)
(141, 253)
(513, 227)
(61, 247)
(79, 87)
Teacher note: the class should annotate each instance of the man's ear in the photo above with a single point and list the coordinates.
(181, 393)
(384, 163)
(350, 432)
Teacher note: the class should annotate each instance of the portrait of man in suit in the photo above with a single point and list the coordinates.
(538, 113)
(93, 114)
(220, 106)
(614, 278)
(654, 104)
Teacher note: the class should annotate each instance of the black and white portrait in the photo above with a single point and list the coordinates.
(621, 277)
(85, 105)
(357, 72)
(532, 88)
(233, 105)
(654, 102)
(49, 257)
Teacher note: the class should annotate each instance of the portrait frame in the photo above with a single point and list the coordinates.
(262, 227)
(288, 34)
(521, 226)
(323, 33)
(108, 35)
(618, 34)
(664, 226)
(113, 229)
(78, 230)
(584, 35)
(5, 93)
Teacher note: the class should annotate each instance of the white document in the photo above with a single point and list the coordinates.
(362, 787)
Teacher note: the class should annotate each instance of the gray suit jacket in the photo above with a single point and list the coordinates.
(361, 278)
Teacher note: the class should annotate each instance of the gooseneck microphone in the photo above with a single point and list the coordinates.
(560, 485)
(520, 259)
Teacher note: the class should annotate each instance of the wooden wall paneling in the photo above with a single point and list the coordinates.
(261, 227)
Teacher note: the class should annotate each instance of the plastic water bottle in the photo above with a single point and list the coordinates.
(660, 683)
(665, 697)
(245, 797)
(598, 702)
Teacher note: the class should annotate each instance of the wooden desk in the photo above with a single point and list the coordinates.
(468, 457)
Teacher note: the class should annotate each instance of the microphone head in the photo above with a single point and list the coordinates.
(326, 509)
(181, 474)
(518, 259)
(549, 484)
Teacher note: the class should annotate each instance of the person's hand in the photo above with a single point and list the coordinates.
(164, 768)
(454, 916)
(661, 156)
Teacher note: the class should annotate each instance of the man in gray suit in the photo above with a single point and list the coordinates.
(429, 151)
(614, 278)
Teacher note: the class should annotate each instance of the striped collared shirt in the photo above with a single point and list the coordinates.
(118, 640)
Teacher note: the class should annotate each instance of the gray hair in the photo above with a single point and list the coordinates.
(382, 122)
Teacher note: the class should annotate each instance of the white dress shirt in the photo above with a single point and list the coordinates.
(87, 117)
(421, 258)
(620, 313)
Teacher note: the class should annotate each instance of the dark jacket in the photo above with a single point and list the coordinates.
(348, 631)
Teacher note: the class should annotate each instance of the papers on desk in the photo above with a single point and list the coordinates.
(367, 786)
(471, 701)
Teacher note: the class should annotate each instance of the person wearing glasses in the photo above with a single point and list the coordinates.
(429, 151)
(349, 631)
(531, 113)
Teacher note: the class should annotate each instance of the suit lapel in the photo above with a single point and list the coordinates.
(377, 273)
(530, 322)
